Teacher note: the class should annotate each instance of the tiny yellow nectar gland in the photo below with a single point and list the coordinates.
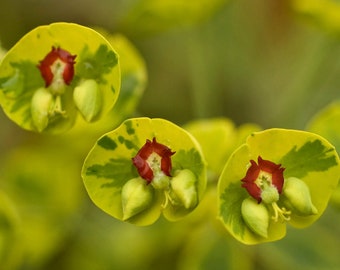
(256, 216)
(42, 104)
(183, 185)
(297, 197)
(88, 99)
(137, 196)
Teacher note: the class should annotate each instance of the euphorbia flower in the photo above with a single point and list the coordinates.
(44, 90)
(261, 176)
(57, 67)
(296, 192)
(264, 182)
(153, 160)
(145, 168)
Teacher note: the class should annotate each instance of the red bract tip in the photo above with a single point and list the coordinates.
(46, 64)
(151, 158)
(265, 170)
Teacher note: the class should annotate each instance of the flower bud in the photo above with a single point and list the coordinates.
(41, 105)
(88, 99)
(256, 216)
(183, 187)
(297, 197)
(137, 196)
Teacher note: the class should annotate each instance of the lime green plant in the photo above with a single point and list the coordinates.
(326, 123)
(2, 52)
(144, 168)
(227, 137)
(323, 13)
(278, 176)
(75, 71)
(140, 169)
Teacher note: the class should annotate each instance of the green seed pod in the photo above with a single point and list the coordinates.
(41, 105)
(256, 216)
(88, 99)
(297, 197)
(137, 196)
(183, 188)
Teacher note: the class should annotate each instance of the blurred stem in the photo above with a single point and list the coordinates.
(306, 92)
(204, 92)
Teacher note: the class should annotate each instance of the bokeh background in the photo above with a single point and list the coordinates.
(272, 63)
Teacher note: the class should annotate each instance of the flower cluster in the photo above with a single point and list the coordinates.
(265, 183)
(44, 90)
(153, 163)
(57, 70)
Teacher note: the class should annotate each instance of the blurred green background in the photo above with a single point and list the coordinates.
(272, 63)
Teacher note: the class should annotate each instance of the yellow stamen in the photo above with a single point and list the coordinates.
(167, 198)
(281, 214)
(57, 108)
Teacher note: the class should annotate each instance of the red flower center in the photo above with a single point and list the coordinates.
(57, 68)
(263, 178)
(153, 159)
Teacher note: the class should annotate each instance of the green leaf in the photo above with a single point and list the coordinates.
(292, 148)
(109, 166)
(20, 76)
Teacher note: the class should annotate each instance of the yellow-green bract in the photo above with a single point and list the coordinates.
(326, 123)
(20, 77)
(108, 167)
(227, 137)
(304, 155)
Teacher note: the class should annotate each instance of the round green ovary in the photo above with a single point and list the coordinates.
(256, 216)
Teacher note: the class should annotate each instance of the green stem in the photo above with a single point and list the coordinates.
(204, 90)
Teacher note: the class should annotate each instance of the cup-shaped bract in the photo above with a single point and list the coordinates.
(322, 13)
(326, 124)
(2, 52)
(303, 155)
(59, 57)
(227, 137)
(111, 164)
